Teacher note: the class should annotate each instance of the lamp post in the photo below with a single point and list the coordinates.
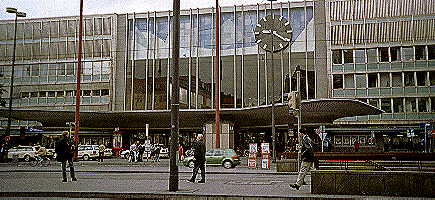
(17, 14)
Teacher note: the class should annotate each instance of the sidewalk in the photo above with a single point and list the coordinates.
(147, 181)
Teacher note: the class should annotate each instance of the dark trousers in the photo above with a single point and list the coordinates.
(199, 165)
(71, 169)
(100, 157)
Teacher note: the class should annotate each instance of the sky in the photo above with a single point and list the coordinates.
(58, 8)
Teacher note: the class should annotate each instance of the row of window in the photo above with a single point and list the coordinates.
(383, 79)
(383, 54)
(95, 48)
(404, 105)
(56, 28)
(68, 93)
(59, 69)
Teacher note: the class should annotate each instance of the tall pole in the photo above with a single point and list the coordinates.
(8, 129)
(273, 91)
(175, 98)
(11, 90)
(298, 96)
(78, 75)
(217, 78)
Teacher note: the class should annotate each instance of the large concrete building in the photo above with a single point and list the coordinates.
(381, 52)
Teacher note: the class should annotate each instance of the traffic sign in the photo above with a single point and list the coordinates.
(7, 138)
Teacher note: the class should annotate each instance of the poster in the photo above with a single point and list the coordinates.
(252, 160)
(337, 140)
(346, 140)
(265, 149)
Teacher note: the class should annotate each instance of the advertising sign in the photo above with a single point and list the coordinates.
(252, 160)
(265, 148)
(265, 156)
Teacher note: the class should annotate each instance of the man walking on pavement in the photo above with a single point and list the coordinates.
(64, 154)
(307, 157)
(199, 156)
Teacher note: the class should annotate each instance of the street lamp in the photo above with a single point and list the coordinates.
(17, 14)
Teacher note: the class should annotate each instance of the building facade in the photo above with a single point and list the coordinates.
(346, 49)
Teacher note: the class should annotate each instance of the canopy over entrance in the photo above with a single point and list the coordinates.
(313, 111)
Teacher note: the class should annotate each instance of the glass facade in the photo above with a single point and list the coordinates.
(245, 70)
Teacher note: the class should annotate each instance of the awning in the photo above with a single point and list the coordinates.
(313, 111)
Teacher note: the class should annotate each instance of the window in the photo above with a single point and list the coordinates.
(87, 93)
(70, 93)
(60, 93)
(383, 52)
(410, 105)
(396, 79)
(432, 78)
(35, 70)
(33, 94)
(423, 104)
(360, 56)
(432, 103)
(96, 92)
(349, 81)
(70, 68)
(24, 95)
(61, 69)
(337, 81)
(420, 52)
(431, 52)
(371, 56)
(372, 80)
(105, 92)
(42, 94)
(398, 105)
(421, 78)
(385, 79)
(386, 105)
(52, 69)
(409, 79)
(361, 81)
(395, 54)
(348, 56)
(407, 53)
(51, 94)
(374, 102)
(336, 57)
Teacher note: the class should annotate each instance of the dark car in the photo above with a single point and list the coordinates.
(227, 158)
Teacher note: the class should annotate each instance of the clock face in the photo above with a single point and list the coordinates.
(273, 33)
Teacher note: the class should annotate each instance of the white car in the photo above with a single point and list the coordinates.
(26, 153)
(87, 152)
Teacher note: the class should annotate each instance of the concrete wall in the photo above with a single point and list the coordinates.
(384, 183)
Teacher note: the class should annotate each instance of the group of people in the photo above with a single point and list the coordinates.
(137, 151)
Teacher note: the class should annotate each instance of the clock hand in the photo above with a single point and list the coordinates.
(280, 37)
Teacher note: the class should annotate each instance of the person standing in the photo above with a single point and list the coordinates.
(199, 156)
(180, 153)
(101, 150)
(307, 157)
(157, 154)
(132, 152)
(64, 153)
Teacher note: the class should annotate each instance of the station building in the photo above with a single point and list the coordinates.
(379, 52)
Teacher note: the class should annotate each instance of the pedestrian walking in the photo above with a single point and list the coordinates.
(141, 149)
(199, 159)
(101, 150)
(2, 152)
(307, 159)
(64, 151)
(180, 153)
(157, 154)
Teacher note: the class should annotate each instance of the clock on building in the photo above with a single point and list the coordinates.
(273, 33)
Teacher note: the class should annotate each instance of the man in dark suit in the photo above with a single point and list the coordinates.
(199, 155)
(307, 157)
(64, 153)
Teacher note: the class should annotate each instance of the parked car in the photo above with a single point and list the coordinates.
(90, 152)
(25, 153)
(227, 158)
(164, 153)
(87, 152)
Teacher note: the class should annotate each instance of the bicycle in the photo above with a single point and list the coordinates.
(44, 162)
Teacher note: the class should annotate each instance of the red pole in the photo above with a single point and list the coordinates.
(78, 74)
(217, 77)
